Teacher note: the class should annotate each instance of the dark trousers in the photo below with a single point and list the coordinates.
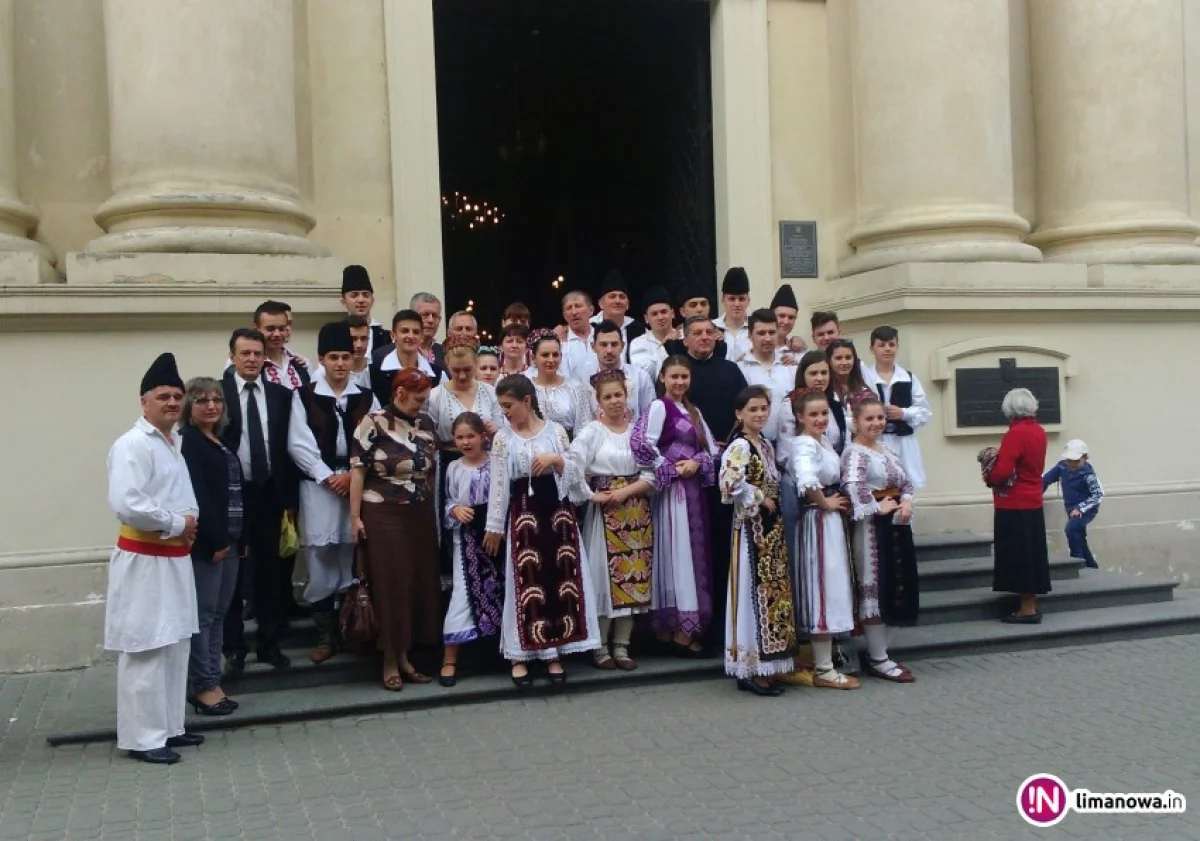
(1077, 535)
(263, 570)
(720, 522)
(215, 586)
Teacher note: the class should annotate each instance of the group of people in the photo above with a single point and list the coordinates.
(709, 477)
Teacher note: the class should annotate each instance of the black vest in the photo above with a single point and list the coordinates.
(327, 423)
(837, 411)
(276, 423)
(901, 397)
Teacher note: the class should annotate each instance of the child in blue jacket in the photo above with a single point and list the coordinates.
(1082, 495)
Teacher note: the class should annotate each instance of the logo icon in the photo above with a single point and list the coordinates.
(1043, 799)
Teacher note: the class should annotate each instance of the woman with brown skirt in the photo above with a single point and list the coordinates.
(393, 459)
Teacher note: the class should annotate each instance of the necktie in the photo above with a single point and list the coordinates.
(260, 471)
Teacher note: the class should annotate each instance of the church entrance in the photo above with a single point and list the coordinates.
(574, 138)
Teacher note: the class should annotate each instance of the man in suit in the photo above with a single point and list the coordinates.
(269, 432)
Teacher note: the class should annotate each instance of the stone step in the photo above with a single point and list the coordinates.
(970, 573)
(950, 545)
(1092, 589)
(362, 694)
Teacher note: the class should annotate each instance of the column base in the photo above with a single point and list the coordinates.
(24, 265)
(1156, 242)
(193, 240)
(930, 235)
(207, 273)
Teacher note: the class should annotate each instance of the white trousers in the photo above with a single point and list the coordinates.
(151, 695)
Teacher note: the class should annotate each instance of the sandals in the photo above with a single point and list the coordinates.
(622, 660)
(393, 683)
(603, 661)
(833, 679)
(905, 675)
(413, 676)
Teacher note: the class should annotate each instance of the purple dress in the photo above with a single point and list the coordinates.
(664, 435)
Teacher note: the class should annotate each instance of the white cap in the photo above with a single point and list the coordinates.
(1074, 450)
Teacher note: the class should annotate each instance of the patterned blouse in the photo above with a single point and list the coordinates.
(399, 453)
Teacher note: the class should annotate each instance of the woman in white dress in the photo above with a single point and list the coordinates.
(881, 494)
(673, 435)
(566, 402)
(462, 392)
(618, 531)
(760, 624)
(549, 606)
(477, 596)
(822, 585)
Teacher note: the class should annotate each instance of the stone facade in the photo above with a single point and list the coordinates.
(997, 179)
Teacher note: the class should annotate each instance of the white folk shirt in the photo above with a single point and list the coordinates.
(598, 317)
(648, 353)
(151, 600)
(392, 363)
(779, 380)
(301, 445)
(737, 342)
(637, 383)
(362, 378)
(576, 351)
(916, 416)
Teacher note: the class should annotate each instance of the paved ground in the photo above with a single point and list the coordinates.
(939, 759)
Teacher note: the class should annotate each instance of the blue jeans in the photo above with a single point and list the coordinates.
(214, 590)
(1077, 535)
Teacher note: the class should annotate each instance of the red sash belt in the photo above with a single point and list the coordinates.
(151, 543)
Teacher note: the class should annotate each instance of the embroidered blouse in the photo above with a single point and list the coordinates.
(749, 476)
(466, 485)
(598, 451)
(444, 406)
(568, 404)
(399, 454)
(865, 470)
(512, 459)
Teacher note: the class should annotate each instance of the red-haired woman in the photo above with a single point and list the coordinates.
(393, 459)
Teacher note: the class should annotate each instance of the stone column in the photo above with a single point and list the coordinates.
(1108, 89)
(934, 135)
(202, 122)
(17, 219)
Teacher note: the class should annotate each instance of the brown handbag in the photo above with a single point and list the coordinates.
(357, 618)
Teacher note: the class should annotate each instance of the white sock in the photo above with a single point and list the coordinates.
(822, 655)
(877, 641)
(605, 622)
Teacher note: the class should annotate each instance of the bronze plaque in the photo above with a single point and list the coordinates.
(980, 391)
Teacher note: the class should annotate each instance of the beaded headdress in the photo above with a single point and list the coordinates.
(600, 378)
(538, 335)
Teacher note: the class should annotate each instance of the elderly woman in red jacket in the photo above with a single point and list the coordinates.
(1022, 564)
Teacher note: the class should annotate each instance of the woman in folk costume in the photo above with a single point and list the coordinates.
(393, 462)
(760, 625)
(462, 392)
(822, 584)
(846, 386)
(514, 350)
(618, 530)
(150, 614)
(477, 596)
(885, 562)
(549, 606)
(335, 405)
(673, 436)
(564, 401)
(487, 365)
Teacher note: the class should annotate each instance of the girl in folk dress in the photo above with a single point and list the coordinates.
(881, 494)
(618, 531)
(487, 365)
(673, 435)
(760, 628)
(566, 402)
(549, 606)
(477, 598)
(823, 585)
(846, 386)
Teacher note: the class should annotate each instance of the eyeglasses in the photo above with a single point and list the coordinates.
(215, 401)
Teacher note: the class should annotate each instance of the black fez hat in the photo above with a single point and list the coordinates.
(694, 288)
(613, 282)
(162, 371)
(655, 295)
(334, 337)
(736, 282)
(356, 279)
(785, 297)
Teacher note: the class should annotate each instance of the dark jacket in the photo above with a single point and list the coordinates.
(1081, 490)
(715, 382)
(209, 468)
(284, 473)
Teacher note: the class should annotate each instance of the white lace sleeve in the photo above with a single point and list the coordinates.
(578, 458)
(581, 399)
(498, 498)
(736, 490)
(806, 460)
(855, 463)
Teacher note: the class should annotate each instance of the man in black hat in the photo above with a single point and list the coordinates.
(649, 350)
(150, 614)
(735, 299)
(786, 309)
(614, 307)
(335, 405)
(268, 429)
(358, 298)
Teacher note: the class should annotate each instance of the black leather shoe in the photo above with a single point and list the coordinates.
(158, 756)
(222, 707)
(229, 702)
(187, 740)
(763, 691)
(522, 681)
(274, 656)
(235, 664)
(1034, 618)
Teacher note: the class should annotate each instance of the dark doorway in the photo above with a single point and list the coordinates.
(585, 129)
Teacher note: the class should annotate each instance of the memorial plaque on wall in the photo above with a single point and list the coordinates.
(798, 249)
(980, 391)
